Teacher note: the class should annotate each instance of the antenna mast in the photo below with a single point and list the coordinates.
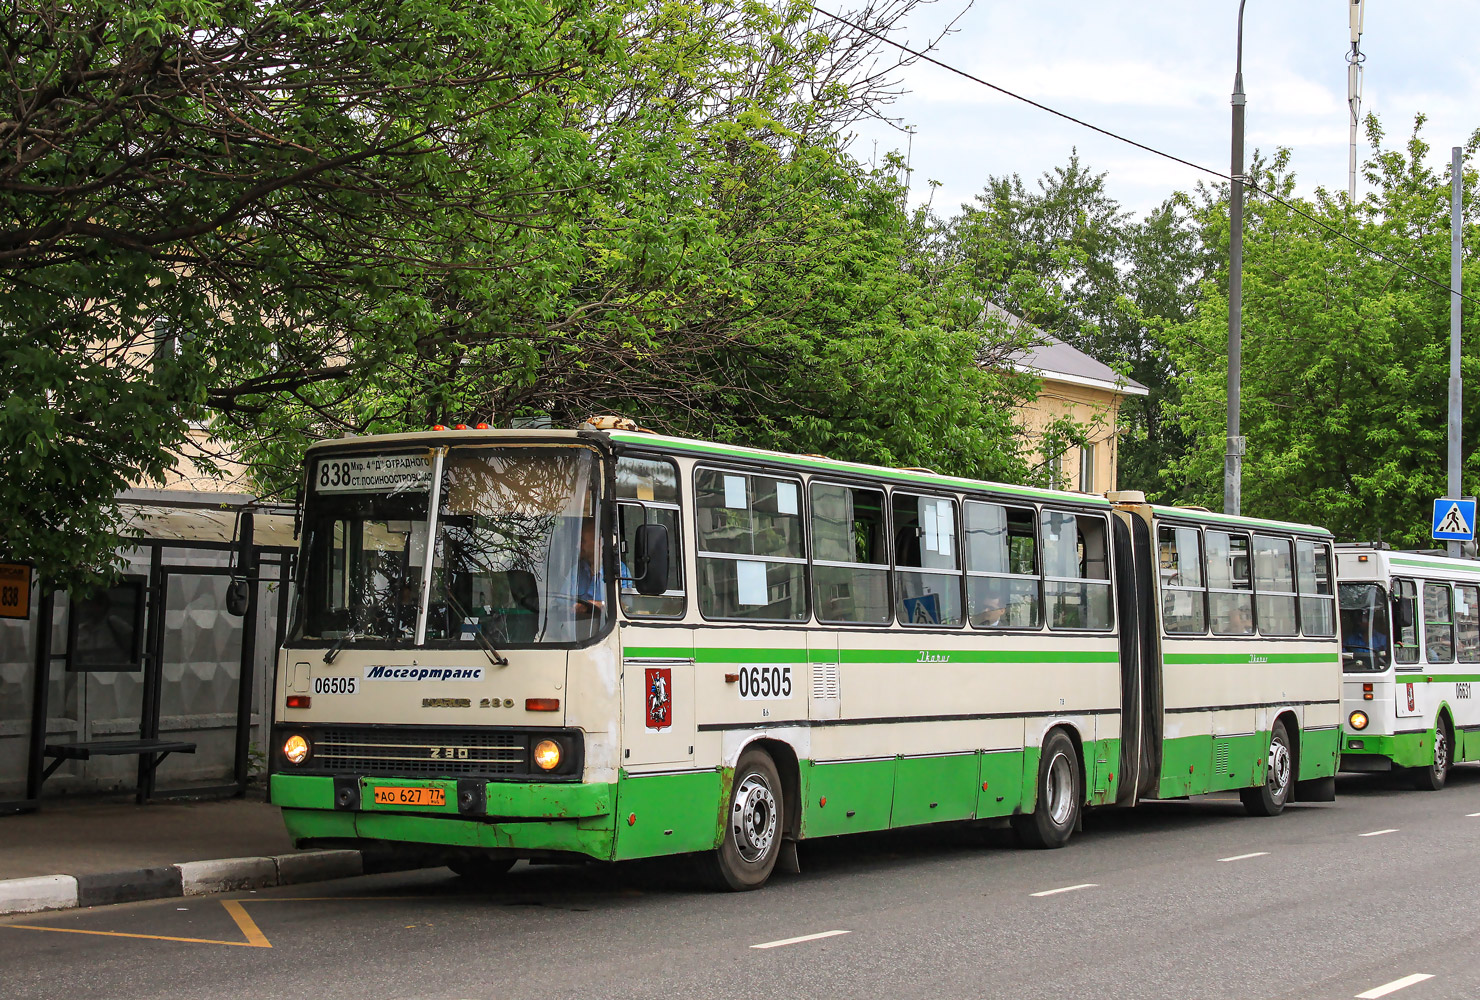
(1354, 60)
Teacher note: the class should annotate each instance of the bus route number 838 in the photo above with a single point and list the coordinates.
(762, 682)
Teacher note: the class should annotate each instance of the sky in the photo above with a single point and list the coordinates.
(1161, 72)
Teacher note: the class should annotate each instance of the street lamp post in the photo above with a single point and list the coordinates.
(1234, 456)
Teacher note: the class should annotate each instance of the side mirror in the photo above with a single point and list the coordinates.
(239, 591)
(238, 595)
(650, 574)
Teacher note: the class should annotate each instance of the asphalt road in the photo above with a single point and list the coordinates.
(1180, 899)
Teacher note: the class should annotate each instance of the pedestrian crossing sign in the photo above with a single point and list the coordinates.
(1454, 520)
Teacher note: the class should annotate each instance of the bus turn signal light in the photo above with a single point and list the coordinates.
(1358, 720)
(299, 701)
(1366, 692)
(542, 704)
(295, 748)
(547, 755)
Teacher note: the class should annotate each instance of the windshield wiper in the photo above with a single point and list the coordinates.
(333, 650)
(494, 656)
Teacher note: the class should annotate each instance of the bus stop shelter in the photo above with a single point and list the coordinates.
(150, 685)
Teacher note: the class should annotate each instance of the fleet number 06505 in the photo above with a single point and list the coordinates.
(764, 682)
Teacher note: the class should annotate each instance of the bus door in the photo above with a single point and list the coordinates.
(1140, 681)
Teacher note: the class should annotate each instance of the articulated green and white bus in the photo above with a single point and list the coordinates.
(1410, 627)
(611, 644)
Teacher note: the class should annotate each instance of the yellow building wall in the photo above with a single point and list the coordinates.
(1097, 409)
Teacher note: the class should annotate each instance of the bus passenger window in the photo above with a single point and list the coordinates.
(1438, 623)
(647, 493)
(1076, 570)
(927, 577)
(1230, 591)
(1183, 601)
(1313, 576)
(752, 564)
(1467, 623)
(1405, 622)
(1274, 580)
(850, 555)
(1002, 566)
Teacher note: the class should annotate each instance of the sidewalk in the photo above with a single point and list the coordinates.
(96, 853)
(88, 838)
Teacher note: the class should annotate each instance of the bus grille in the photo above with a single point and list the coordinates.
(421, 753)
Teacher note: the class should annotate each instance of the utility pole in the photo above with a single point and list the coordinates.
(1456, 197)
(1234, 456)
(1354, 60)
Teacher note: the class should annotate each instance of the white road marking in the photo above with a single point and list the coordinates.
(1378, 833)
(1240, 857)
(798, 940)
(1472, 815)
(1394, 986)
(1067, 888)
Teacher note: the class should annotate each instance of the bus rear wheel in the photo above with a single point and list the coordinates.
(1279, 778)
(1433, 777)
(752, 833)
(1060, 796)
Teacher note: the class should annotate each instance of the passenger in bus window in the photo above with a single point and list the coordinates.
(589, 588)
(992, 611)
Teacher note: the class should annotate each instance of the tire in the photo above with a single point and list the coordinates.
(1433, 777)
(1279, 782)
(1060, 796)
(751, 840)
(481, 868)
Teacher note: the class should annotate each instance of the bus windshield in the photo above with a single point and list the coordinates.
(515, 555)
(1364, 627)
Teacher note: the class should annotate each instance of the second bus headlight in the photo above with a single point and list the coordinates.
(1358, 720)
(547, 755)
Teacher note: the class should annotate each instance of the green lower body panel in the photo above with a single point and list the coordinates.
(1402, 749)
(1001, 790)
(1186, 764)
(1102, 766)
(670, 813)
(848, 797)
(935, 789)
(1320, 751)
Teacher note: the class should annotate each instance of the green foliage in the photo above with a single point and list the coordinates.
(295, 220)
(1345, 356)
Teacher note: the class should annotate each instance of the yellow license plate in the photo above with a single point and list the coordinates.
(396, 795)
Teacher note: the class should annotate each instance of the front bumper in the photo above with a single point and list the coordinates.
(524, 817)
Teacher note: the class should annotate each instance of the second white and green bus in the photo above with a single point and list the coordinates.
(609, 644)
(1410, 626)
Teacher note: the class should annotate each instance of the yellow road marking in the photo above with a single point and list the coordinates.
(254, 936)
(235, 908)
(249, 930)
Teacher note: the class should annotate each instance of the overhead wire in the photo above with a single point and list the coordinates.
(926, 57)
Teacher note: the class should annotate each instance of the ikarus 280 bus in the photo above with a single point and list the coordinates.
(610, 644)
(1410, 626)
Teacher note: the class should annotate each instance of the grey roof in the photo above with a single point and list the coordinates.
(1052, 358)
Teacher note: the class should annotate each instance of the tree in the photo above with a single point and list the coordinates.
(1345, 355)
(1070, 260)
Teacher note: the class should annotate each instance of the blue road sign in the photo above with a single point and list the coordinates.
(1454, 520)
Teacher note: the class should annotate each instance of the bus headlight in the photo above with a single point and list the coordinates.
(1358, 720)
(547, 755)
(295, 748)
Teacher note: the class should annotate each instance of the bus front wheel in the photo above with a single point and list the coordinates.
(1060, 796)
(1279, 778)
(753, 826)
(1433, 777)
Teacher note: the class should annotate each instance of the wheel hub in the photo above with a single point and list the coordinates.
(1059, 789)
(1441, 751)
(753, 820)
(1279, 768)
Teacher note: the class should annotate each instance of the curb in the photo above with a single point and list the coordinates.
(189, 878)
